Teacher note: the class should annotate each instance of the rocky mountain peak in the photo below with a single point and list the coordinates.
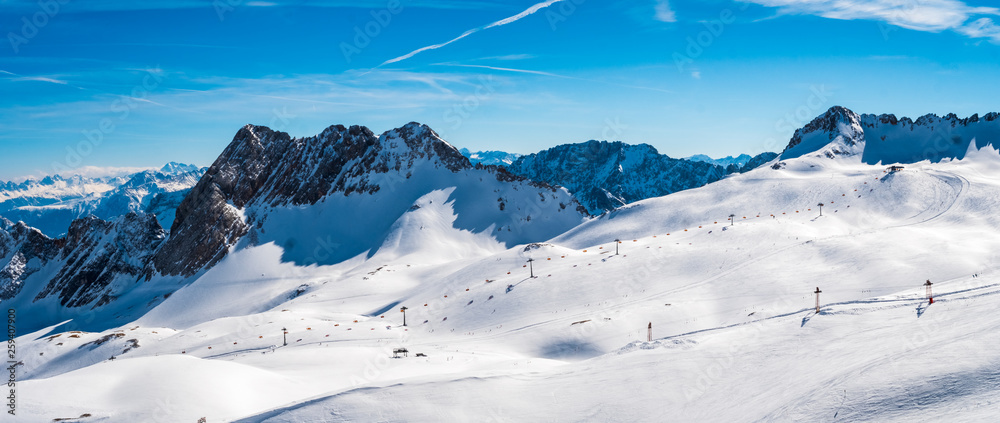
(262, 168)
(102, 258)
(422, 142)
(887, 139)
(838, 132)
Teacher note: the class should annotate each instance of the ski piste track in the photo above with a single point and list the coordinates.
(956, 183)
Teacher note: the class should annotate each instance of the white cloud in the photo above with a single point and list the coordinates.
(104, 171)
(982, 28)
(40, 79)
(696, 75)
(26, 6)
(501, 22)
(508, 57)
(920, 15)
(21, 78)
(663, 11)
(91, 172)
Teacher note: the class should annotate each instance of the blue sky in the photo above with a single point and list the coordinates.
(105, 84)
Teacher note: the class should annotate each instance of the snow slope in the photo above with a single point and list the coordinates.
(736, 337)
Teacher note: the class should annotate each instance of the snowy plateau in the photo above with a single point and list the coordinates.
(277, 292)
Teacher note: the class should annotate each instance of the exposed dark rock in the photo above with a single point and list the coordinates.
(606, 175)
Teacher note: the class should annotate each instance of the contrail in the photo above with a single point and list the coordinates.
(555, 75)
(501, 22)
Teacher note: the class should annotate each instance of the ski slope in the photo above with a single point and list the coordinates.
(735, 333)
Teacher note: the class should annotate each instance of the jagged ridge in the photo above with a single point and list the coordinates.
(888, 139)
(605, 175)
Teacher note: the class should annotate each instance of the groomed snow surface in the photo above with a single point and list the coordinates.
(735, 333)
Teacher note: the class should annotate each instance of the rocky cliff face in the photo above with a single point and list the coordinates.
(345, 187)
(606, 175)
(838, 132)
(758, 161)
(267, 168)
(101, 259)
(96, 261)
(263, 170)
(930, 137)
(24, 251)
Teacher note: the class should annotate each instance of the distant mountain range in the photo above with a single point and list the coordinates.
(740, 160)
(76, 243)
(499, 158)
(601, 175)
(606, 175)
(342, 194)
(322, 238)
(54, 202)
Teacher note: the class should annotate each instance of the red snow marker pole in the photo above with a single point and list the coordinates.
(930, 296)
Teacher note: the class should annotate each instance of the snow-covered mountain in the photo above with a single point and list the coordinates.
(269, 248)
(344, 194)
(739, 161)
(691, 316)
(51, 204)
(606, 175)
(885, 139)
(499, 158)
(273, 188)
